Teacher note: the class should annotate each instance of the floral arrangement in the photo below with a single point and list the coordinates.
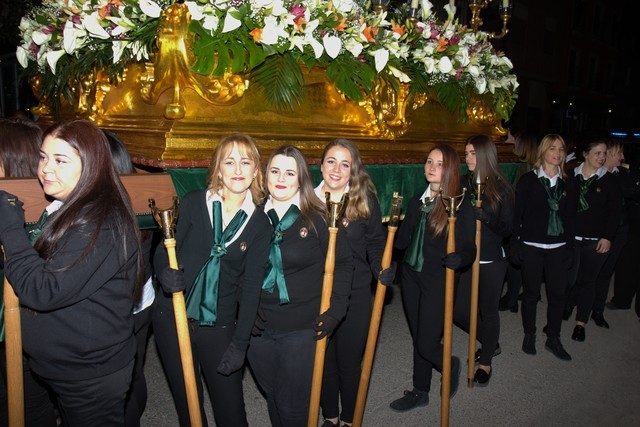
(270, 41)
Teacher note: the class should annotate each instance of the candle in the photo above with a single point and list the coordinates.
(505, 3)
(414, 4)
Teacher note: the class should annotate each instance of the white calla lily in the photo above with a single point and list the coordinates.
(231, 23)
(150, 8)
(444, 65)
(195, 10)
(426, 7)
(399, 75)
(332, 45)
(52, 58)
(381, 57)
(92, 25)
(22, 55)
(118, 47)
(481, 85)
(40, 38)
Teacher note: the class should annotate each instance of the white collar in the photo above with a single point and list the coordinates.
(320, 193)
(282, 209)
(427, 195)
(600, 171)
(247, 204)
(54, 206)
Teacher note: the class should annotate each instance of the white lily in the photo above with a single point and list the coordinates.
(343, 6)
(381, 57)
(195, 10)
(481, 85)
(52, 58)
(332, 45)
(231, 23)
(150, 8)
(429, 64)
(273, 29)
(353, 46)
(451, 11)
(473, 70)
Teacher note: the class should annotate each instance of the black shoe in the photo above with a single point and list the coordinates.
(482, 377)
(598, 319)
(496, 352)
(578, 333)
(545, 329)
(455, 377)
(555, 346)
(504, 305)
(529, 344)
(566, 313)
(613, 306)
(328, 423)
(514, 308)
(411, 399)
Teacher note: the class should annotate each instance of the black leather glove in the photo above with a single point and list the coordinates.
(259, 324)
(481, 215)
(325, 325)
(452, 261)
(387, 275)
(12, 214)
(172, 280)
(232, 360)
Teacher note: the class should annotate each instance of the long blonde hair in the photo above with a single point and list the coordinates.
(247, 147)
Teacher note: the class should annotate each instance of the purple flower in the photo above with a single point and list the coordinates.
(297, 10)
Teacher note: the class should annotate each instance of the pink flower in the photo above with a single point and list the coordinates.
(298, 10)
(459, 72)
(454, 39)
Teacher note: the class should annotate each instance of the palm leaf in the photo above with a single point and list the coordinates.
(279, 78)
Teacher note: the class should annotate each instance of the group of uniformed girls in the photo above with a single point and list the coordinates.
(252, 249)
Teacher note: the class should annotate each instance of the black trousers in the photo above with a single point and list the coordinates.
(208, 344)
(553, 264)
(514, 284)
(609, 267)
(93, 402)
(423, 302)
(137, 396)
(489, 289)
(582, 292)
(626, 283)
(343, 360)
(282, 362)
(38, 398)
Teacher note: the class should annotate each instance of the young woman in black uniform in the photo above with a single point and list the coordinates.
(496, 216)
(423, 234)
(19, 154)
(343, 172)
(543, 237)
(597, 221)
(282, 356)
(76, 284)
(222, 240)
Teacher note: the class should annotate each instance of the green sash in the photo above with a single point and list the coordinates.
(202, 299)
(583, 205)
(554, 194)
(274, 272)
(414, 256)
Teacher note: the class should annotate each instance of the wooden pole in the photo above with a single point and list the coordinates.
(166, 219)
(321, 345)
(334, 212)
(376, 315)
(452, 208)
(13, 340)
(473, 308)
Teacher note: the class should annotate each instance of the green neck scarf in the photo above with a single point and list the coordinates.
(554, 194)
(584, 187)
(471, 177)
(274, 272)
(414, 257)
(202, 299)
(33, 234)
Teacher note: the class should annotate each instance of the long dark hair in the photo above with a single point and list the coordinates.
(360, 184)
(310, 205)
(488, 169)
(19, 147)
(98, 197)
(450, 186)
